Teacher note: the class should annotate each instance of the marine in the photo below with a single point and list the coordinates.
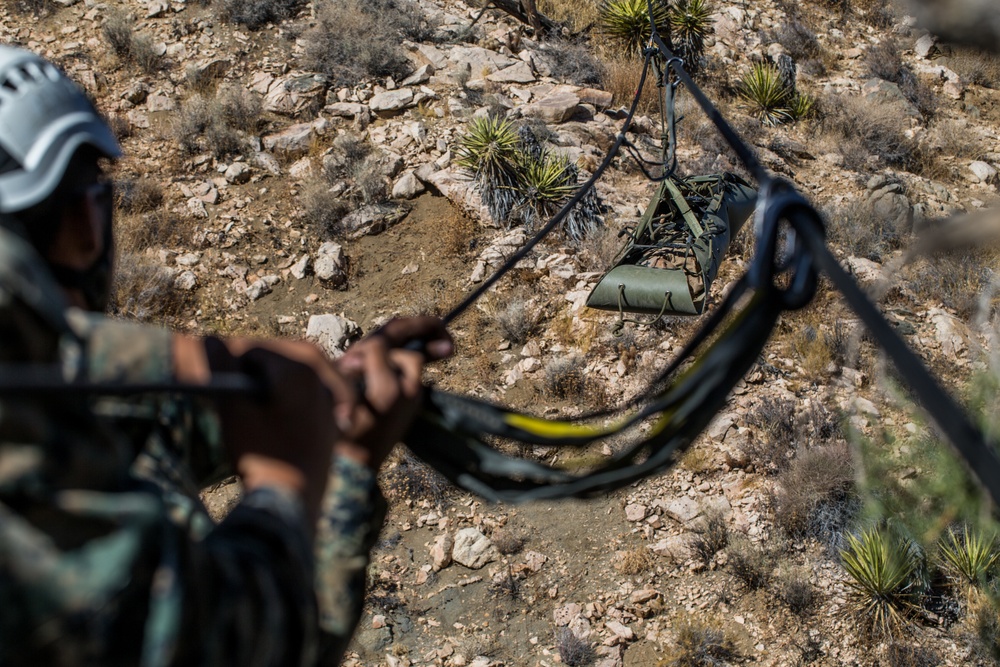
(107, 556)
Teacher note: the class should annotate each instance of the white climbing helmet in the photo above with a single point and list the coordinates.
(44, 119)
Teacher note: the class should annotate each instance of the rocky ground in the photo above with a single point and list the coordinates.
(336, 206)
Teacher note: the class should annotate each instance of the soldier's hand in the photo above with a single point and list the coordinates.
(390, 377)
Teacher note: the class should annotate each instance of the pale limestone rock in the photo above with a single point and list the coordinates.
(683, 510)
(330, 264)
(408, 186)
(566, 613)
(332, 332)
(391, 100)
(441, 552)
(299, 268)
(473, 549)
(983, 171)
(238, 173)
(160, 102)
(293, 94)
(556, 107)
(294, 140)
(268, 163)
(635, 512)
(186, 280)
(517, 73)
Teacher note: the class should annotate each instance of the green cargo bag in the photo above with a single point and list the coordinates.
(672, 256)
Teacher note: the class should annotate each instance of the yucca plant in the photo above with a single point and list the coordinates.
(765, 93)
(802, 105)
(884, 570)
(690, 21)
(627, 22)
(969, 557)
(543, 186)
(489, 150)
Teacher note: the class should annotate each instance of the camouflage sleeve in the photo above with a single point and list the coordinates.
(98, 566)
(353, 512)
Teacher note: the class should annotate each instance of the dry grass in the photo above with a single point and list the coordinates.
(750, 564)
(131, 49)
(979, 68)
(565, 378)
(813, 496)
(217, 123)
(518, 319)
(574, 651)
(405, 477)
(354, 40)
(579, 15)
(634, 561)
(322, 210)
(796, 592)
(870, 134)
(956, 280)
(138, 196)
(255, 14)
(861, 232)
(620, 76)
(508, 541)
(701, 642)
(773, 421)
(710, 537)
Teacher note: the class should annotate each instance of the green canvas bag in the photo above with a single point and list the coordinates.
(673, 255)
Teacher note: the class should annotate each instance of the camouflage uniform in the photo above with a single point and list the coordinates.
(106, 554)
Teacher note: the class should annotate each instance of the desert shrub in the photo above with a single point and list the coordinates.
(353, 40)
(36, 7)
(138, 196)
(255, 14)
(876, 13)
(700, 644)
(143, 290)
(765, 94)
(572, 61)
(817, 482)
(861, 232)
(240, 109)
(904, 655)
(983, 621)
(574, 651)
(518, 320)
(322, 210)
(405, 477)
(565, 377)
(979, 68)
(796, 592)
(956, 280)
(369, 180)
(798, 39)
(774, 424)
(884, 575)
(869, 133)
(750, 564)
(214, 124)
(129, 48)
(710, 537)
(883, 61)
(634, 561)
(507, 541)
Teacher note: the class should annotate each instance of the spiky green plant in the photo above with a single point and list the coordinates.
(627, 22)
(544, 185)
(763, 91)
(884, 571)
(802, 105)
(969, 557)
(690, 21)
(489, 150)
